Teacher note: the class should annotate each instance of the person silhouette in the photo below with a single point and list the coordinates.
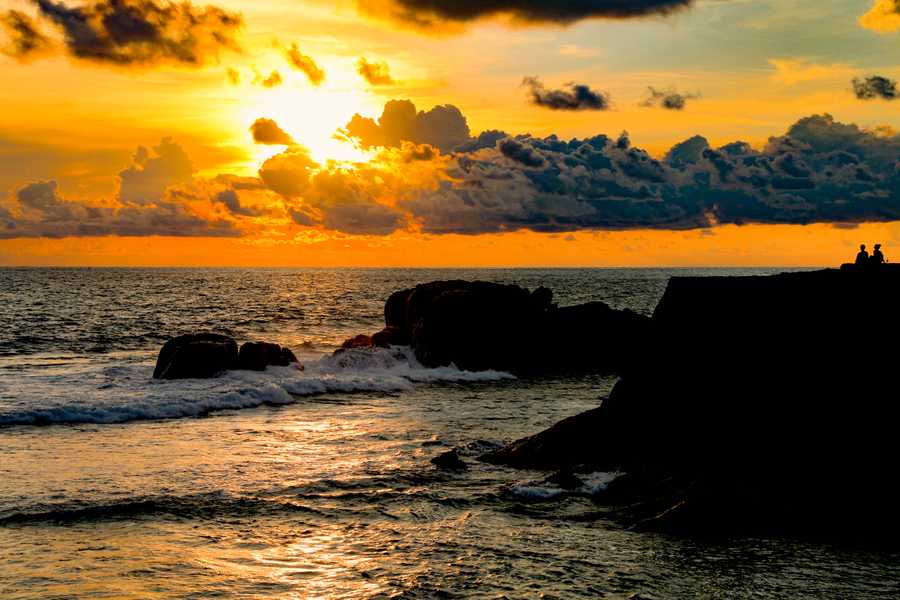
(862, 259)
(877, 257)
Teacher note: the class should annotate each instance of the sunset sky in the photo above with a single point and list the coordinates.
(439, 133)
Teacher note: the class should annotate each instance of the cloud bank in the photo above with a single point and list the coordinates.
(819, 171)
(443, 127)
(129, 32)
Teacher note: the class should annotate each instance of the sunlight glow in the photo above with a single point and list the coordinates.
(311, 115)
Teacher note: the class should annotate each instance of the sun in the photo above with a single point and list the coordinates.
(311, 115)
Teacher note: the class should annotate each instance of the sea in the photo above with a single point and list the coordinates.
(318, 483)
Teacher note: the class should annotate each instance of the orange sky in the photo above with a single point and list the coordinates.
(749, 71)
(754, 245)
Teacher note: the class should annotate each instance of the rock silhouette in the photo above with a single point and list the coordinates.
(449, 461)
(197, 355)
(206, 355)
(256, 356)
(757, 403)
(481, 325)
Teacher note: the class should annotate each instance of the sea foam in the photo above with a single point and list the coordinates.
(592, 485)
(119, 392)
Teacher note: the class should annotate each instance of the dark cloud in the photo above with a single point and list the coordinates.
(875, 86)
(524, 154)
(26, 40)
(443, 127)
(271, 80)
(142, 32)
(433, 13)
(305, 64)
(578, 97)
(820, 171)
(668, 99)
(374, 73)
(486, 139)
(43, 213)
(267, 131)
(232, 201)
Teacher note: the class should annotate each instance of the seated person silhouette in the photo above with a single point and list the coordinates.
(877, 257)
(862, 259)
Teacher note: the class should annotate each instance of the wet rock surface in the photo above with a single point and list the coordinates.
(256, 356)
(206, 355)
(199, 355)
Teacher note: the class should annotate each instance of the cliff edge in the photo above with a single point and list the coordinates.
(755, 403)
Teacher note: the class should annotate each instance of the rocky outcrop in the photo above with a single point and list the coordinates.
(480, 325)
(449, 461)
(756, 403)
(256, 356)
(198, 355)
(566, 445)
(206, 355)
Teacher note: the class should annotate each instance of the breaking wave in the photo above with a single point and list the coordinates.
(120, 393)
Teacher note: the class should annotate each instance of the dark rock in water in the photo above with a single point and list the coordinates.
(563, 446)
(360, 341)
(480, 325)
(449, 461)
(756, 403)
(256, 356)
(390, 336)
(395, 310)
(566, 480)
(200, 356)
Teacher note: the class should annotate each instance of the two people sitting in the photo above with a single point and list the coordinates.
(863, 259)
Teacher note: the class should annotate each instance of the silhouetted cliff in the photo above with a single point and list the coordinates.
(756, 402)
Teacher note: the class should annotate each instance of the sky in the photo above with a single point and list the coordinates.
(448, 133)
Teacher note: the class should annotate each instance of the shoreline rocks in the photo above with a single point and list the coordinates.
(760, 404)
(207, 355)
(482, 326)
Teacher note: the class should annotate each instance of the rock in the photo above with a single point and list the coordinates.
(360, 341)
(390, 336)
(449, 461)
(563, 446)
(754, 403)
(480, 325)
(395, 310)
(199, 356)
(566, 480)
(256, 356)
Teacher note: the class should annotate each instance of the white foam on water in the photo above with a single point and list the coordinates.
(593, 484)
(119, 388)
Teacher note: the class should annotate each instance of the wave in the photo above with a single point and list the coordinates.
(198, 506)
(591, 484)
(121, 393)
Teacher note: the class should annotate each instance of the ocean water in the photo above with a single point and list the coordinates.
(317, 484)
